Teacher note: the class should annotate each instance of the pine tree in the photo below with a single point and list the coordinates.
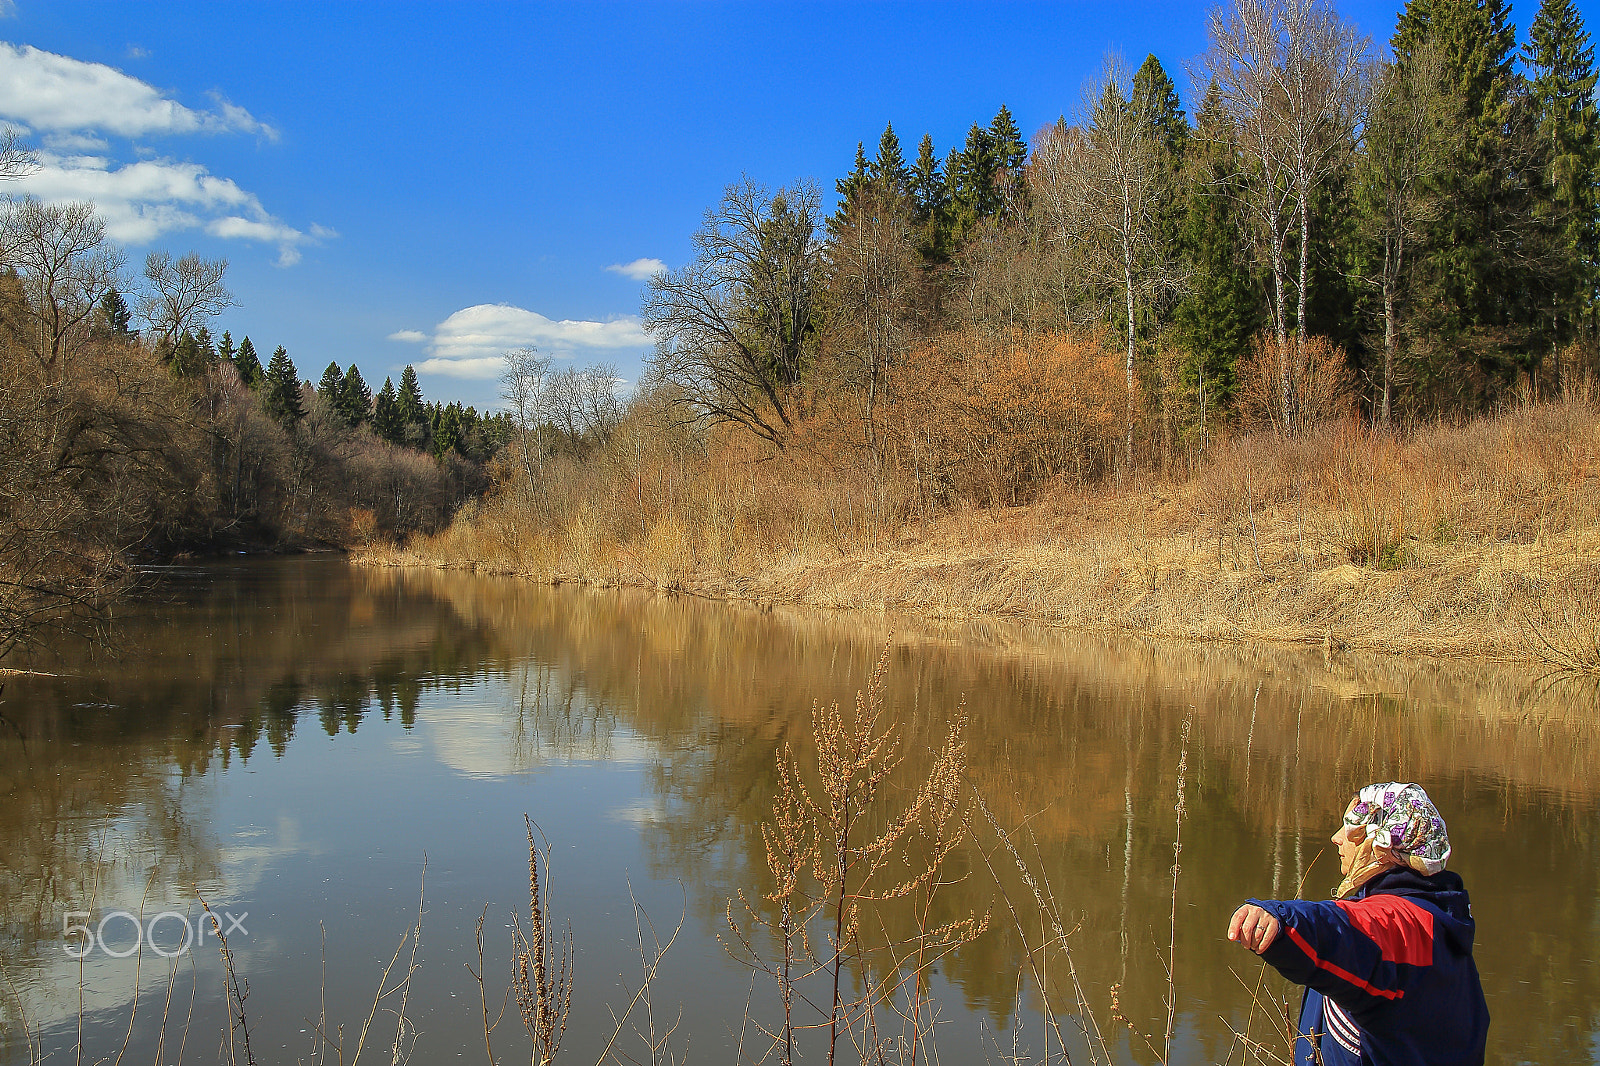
(1158, 110)
(414, 421)
(113, 319)
(225, 347)
(386, 421)
(1477, 272)
(1222, 311)
(888, 170)
(1560, 60)
(282, 389)
(185, 360)
(207, 347)
(248, 365)
(446, 429)
(355, 399)
(1010, 154)
(331, 385)
(970, 175)
(930, 205)
(851, 183)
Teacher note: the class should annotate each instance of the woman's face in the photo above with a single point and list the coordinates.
(1348, 839)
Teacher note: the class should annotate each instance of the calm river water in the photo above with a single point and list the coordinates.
(293, 739)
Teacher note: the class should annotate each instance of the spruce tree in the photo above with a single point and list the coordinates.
(185, 360)
(970, 175)
(1222, 310)
(1560, 61)
(207, 347)
(282, 389)
(1476, 272)
(1159, 112)
(355, 399)
(330, 386)
(415, 424)
(930, 205)
(113, 319)
(888, 170)
(1010, 155)
(225, 347)
(386, 421)
(248, 365)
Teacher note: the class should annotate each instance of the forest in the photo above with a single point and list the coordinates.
(121, 445)
(1343, 314)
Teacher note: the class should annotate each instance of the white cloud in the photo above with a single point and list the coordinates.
(639, 269)
(135, 52)
(471, 342)
(410, 336)
(151, 198)
(55, 92)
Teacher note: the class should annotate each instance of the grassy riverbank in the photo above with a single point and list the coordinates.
(1482, 538)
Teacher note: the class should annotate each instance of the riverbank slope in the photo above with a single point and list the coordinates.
(1480, 539)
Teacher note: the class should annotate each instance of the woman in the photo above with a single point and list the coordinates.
(1388, 961)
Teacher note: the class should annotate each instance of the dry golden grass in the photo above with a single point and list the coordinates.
(1480, 539)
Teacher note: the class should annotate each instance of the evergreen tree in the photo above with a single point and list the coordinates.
(113, 319)
(888, 171)
(1560, 61)
(970, 174)
(1159, 112)
(930, 204)
(355, 399)
(207, 347)
(1478, 270)
(386, 421)
(414, 420)
(248, 365)
(282, 389)
(185, 360)
(446, 428)
(853, 182)
(331, 385)
(1222, 311)
(1010, 154)
(225, 347)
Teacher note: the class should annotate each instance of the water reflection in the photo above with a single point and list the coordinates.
(478, 684)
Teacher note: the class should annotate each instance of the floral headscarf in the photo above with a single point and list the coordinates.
(1403, 828)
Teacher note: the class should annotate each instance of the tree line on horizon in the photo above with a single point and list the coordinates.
(119, 442)
(1329, 234)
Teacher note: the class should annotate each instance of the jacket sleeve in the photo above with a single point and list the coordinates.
(1363, 954)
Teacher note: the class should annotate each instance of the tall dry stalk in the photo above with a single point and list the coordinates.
(541, 965)
(839, 857)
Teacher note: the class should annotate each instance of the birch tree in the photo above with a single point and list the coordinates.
(1098, 182)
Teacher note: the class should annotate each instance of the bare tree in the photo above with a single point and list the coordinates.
(1322, 83)
(1405, 115)
(1242, 63)
(1289, 74)
(522, 386)
(60, 254)
(734, 328)
(1099, 182)
(872, 273)
(183, 294)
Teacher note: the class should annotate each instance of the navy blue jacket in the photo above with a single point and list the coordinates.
(1389, 975)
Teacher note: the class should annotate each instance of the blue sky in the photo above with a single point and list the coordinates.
(434, 183)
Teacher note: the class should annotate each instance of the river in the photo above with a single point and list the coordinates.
(328, 756)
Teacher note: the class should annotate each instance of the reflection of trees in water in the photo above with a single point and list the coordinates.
(1076, 739)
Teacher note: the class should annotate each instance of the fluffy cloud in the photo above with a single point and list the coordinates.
(46, 91)
(470, 343)
(73, 108)
(639, 269)
(410, 336)
(148, 199)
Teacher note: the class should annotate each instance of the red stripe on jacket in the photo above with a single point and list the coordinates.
(1400, 928)
(1339, 971)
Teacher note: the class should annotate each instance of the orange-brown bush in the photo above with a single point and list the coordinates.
(1307, 385)
(992, 418)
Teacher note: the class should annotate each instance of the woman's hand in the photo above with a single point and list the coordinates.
(1254, 928)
